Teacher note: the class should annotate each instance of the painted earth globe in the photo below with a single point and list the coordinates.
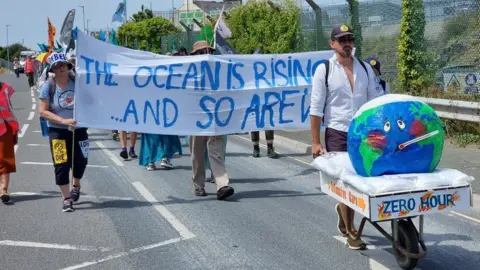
(395, 134)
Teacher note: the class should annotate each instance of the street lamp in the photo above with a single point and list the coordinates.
(8, 50)
(83, 8)
(88, 27)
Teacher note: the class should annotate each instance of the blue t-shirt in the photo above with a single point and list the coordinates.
(63, 101)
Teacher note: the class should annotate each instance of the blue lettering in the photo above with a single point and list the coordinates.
(100, 72)
(191, 74)
(394, 204)
(175, 117)
(155, 75)
(411, 204)
(110, 81)
(238, 76)
(269, 107)
(88, 61)
(282, 63)
(424, 203)
(255, 109)
(260, 75)
(402, 204)
(297, 68)
(217, 108)
(284, 105)
(314, 68)
(450, 200)
(171, 74)
(207, 111)
(272, 69)
(387, 207)
(155, 114)
(229, 74)
(206, 70)
(149, 77)
(131, 109)
(305, 112)
(433, 203)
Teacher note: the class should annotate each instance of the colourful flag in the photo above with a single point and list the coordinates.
(51, 36)
(102, 36)
(66, 31)
(206, 33)
(113, 38)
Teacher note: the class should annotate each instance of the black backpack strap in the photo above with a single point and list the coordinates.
(327, 69)
(363, 65)
(383, 84)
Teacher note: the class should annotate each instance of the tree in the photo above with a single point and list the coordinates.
(142, 15)
(13, 50)
(272, 28)
(413, 74)
(357, 27)
(146, 34)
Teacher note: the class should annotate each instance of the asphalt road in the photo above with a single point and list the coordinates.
(130, 218)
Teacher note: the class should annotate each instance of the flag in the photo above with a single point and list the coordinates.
(101, 35)
(42, 47)
(66, 32)
(221, 33)
(113, 38)
(121, 12)
(206, 33)
(51, 36)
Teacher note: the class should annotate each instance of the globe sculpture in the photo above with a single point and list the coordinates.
(395, 134)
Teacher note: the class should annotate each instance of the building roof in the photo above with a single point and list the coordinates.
(208, 6)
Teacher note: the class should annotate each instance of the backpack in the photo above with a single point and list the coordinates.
(383, 83)
(52, 86)
(327, 69)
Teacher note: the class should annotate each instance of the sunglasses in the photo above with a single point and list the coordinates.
(343, 40)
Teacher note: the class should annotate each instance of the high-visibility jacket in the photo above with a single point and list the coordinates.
(29, 66)
(6, 114)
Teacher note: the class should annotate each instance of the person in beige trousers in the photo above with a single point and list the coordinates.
(214, 146)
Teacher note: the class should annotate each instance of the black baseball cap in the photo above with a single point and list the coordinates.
(341, 31)
(374, 63)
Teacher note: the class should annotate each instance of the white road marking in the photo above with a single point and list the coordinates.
(23, 130)
(15, 148)
(34, 106)
(37, 131)
(110, 154)
(465, 216)
(52, 246)
(33, 100)
(374, 265)
(31, 94)
(36, 144)
(31, 115)
(176, 224)
(83, 196)
(51, 164)
(122, 254)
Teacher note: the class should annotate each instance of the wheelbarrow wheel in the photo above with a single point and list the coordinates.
(407, 238)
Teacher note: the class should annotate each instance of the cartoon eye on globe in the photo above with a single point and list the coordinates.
(401, 124)
(386, 127)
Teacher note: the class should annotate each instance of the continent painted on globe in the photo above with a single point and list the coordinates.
(395, 134)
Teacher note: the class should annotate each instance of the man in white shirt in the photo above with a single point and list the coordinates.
(339, 88)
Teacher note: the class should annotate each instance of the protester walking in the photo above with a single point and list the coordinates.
(214, 145)
(30, 70)
(269, 135)
(123, 142)
(8, 139)
(339, 88)
(69, 145)
(380, 83)
(157, 147)
(16, 66)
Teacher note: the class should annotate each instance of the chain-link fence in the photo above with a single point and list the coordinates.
(4, 65)
(452, 33)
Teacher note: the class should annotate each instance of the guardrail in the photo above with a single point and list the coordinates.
(455, 109)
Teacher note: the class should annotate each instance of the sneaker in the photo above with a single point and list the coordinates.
(151, 167)
(271, 153)
(5, 198)
(356, 244)
(342, 229)
(200, 192)
(256, 152)
(166, 164)
(224, 193)
(124, 155)
(75, 194)
(67, 205)
(132, 154)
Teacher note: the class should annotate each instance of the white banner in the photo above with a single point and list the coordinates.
(122, 89)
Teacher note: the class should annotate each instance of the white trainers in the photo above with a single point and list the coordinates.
(151, 167)
(166, 164)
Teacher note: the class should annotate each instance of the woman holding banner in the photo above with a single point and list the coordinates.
(69, 145)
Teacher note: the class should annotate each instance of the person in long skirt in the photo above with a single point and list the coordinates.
(157, 147)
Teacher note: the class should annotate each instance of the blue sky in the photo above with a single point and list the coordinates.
(28, 18)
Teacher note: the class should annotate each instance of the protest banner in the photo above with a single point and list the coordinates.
(123, 89)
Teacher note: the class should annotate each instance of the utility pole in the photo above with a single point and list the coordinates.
(83, 8)
(88, 27)
(8, 49)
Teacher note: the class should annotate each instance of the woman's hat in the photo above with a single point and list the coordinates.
(57, 58)
(200, 45)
